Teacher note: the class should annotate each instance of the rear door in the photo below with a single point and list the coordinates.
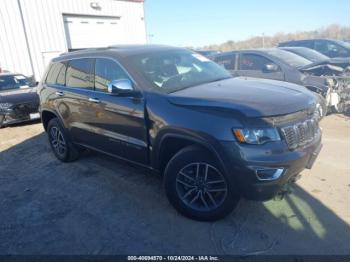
(116, 123)
(256, 65)
(73, 98)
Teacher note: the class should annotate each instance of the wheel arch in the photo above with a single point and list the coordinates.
(47, 115)
(171, 143)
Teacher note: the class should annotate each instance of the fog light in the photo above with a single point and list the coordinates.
(268, 173)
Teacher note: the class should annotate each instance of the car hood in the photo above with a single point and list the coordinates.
(332, 66)
(16, 96)
(249, 96)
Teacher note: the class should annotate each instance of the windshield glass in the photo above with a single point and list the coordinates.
(344, 44)
(13, 82)
(289, 58)
(310, 54)
(169, 71)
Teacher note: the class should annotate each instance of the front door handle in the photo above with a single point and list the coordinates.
(59, 93)
(94, 100)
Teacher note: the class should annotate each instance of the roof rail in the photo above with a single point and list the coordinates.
(84, 50)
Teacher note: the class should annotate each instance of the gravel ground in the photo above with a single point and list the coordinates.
(99, 205)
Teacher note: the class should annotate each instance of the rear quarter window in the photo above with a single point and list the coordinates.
(56, 74)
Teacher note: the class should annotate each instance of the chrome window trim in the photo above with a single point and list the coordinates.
(135, 85)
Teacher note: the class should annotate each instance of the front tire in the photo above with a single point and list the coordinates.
(60, 142)
(197, 187)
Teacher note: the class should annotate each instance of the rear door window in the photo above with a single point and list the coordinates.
(228, 61)
(80, 73)
(107, 70)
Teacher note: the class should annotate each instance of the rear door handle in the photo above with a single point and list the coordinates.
(59, 93)
(94, 100)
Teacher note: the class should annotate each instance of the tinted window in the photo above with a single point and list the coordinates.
(80, 73)
(253, 62)
(228, 61)
(56, 74)
(107, 70)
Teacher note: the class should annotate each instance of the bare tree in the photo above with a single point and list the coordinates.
(334, 31)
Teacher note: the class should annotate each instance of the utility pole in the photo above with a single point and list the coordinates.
(263, 40)
(150, 36)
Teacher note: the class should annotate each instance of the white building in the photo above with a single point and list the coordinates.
(32, 32)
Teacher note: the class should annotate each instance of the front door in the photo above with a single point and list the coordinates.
(117, 123)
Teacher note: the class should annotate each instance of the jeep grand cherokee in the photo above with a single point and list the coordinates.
(214, 138)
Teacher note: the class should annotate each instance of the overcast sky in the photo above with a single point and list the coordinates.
(202, 22)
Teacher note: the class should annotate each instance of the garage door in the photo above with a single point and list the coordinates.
(91, 31)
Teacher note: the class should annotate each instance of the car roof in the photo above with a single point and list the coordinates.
(255, 50)
(120, 50)
(309, 39)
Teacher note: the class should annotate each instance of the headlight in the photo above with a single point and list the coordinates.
(256, 135)
(4, 106)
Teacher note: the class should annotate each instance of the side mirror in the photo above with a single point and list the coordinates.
(271, 68)
(120, 87)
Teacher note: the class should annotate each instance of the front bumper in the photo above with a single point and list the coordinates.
(243, 160)
(20, 113)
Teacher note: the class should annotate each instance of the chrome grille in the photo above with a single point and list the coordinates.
(300, 134)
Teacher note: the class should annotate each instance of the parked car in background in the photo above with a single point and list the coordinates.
(19, 101)
(322, 60)
(274, 63)
(328, 47)
(155, 106)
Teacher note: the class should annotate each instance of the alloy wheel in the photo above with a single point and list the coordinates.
(57, 141)
(201, 186)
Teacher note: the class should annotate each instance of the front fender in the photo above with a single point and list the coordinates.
(193, 138)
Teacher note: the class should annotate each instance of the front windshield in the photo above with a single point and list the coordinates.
(8, 82)
(344, 44)
(170, 71)
(310, 54)
(290, 58)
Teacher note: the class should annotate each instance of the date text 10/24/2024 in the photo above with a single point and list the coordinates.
(173, 258)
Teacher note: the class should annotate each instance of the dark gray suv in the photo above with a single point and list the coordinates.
(214, 138)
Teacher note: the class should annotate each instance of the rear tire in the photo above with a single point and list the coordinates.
(197, 187)
(60, 142)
